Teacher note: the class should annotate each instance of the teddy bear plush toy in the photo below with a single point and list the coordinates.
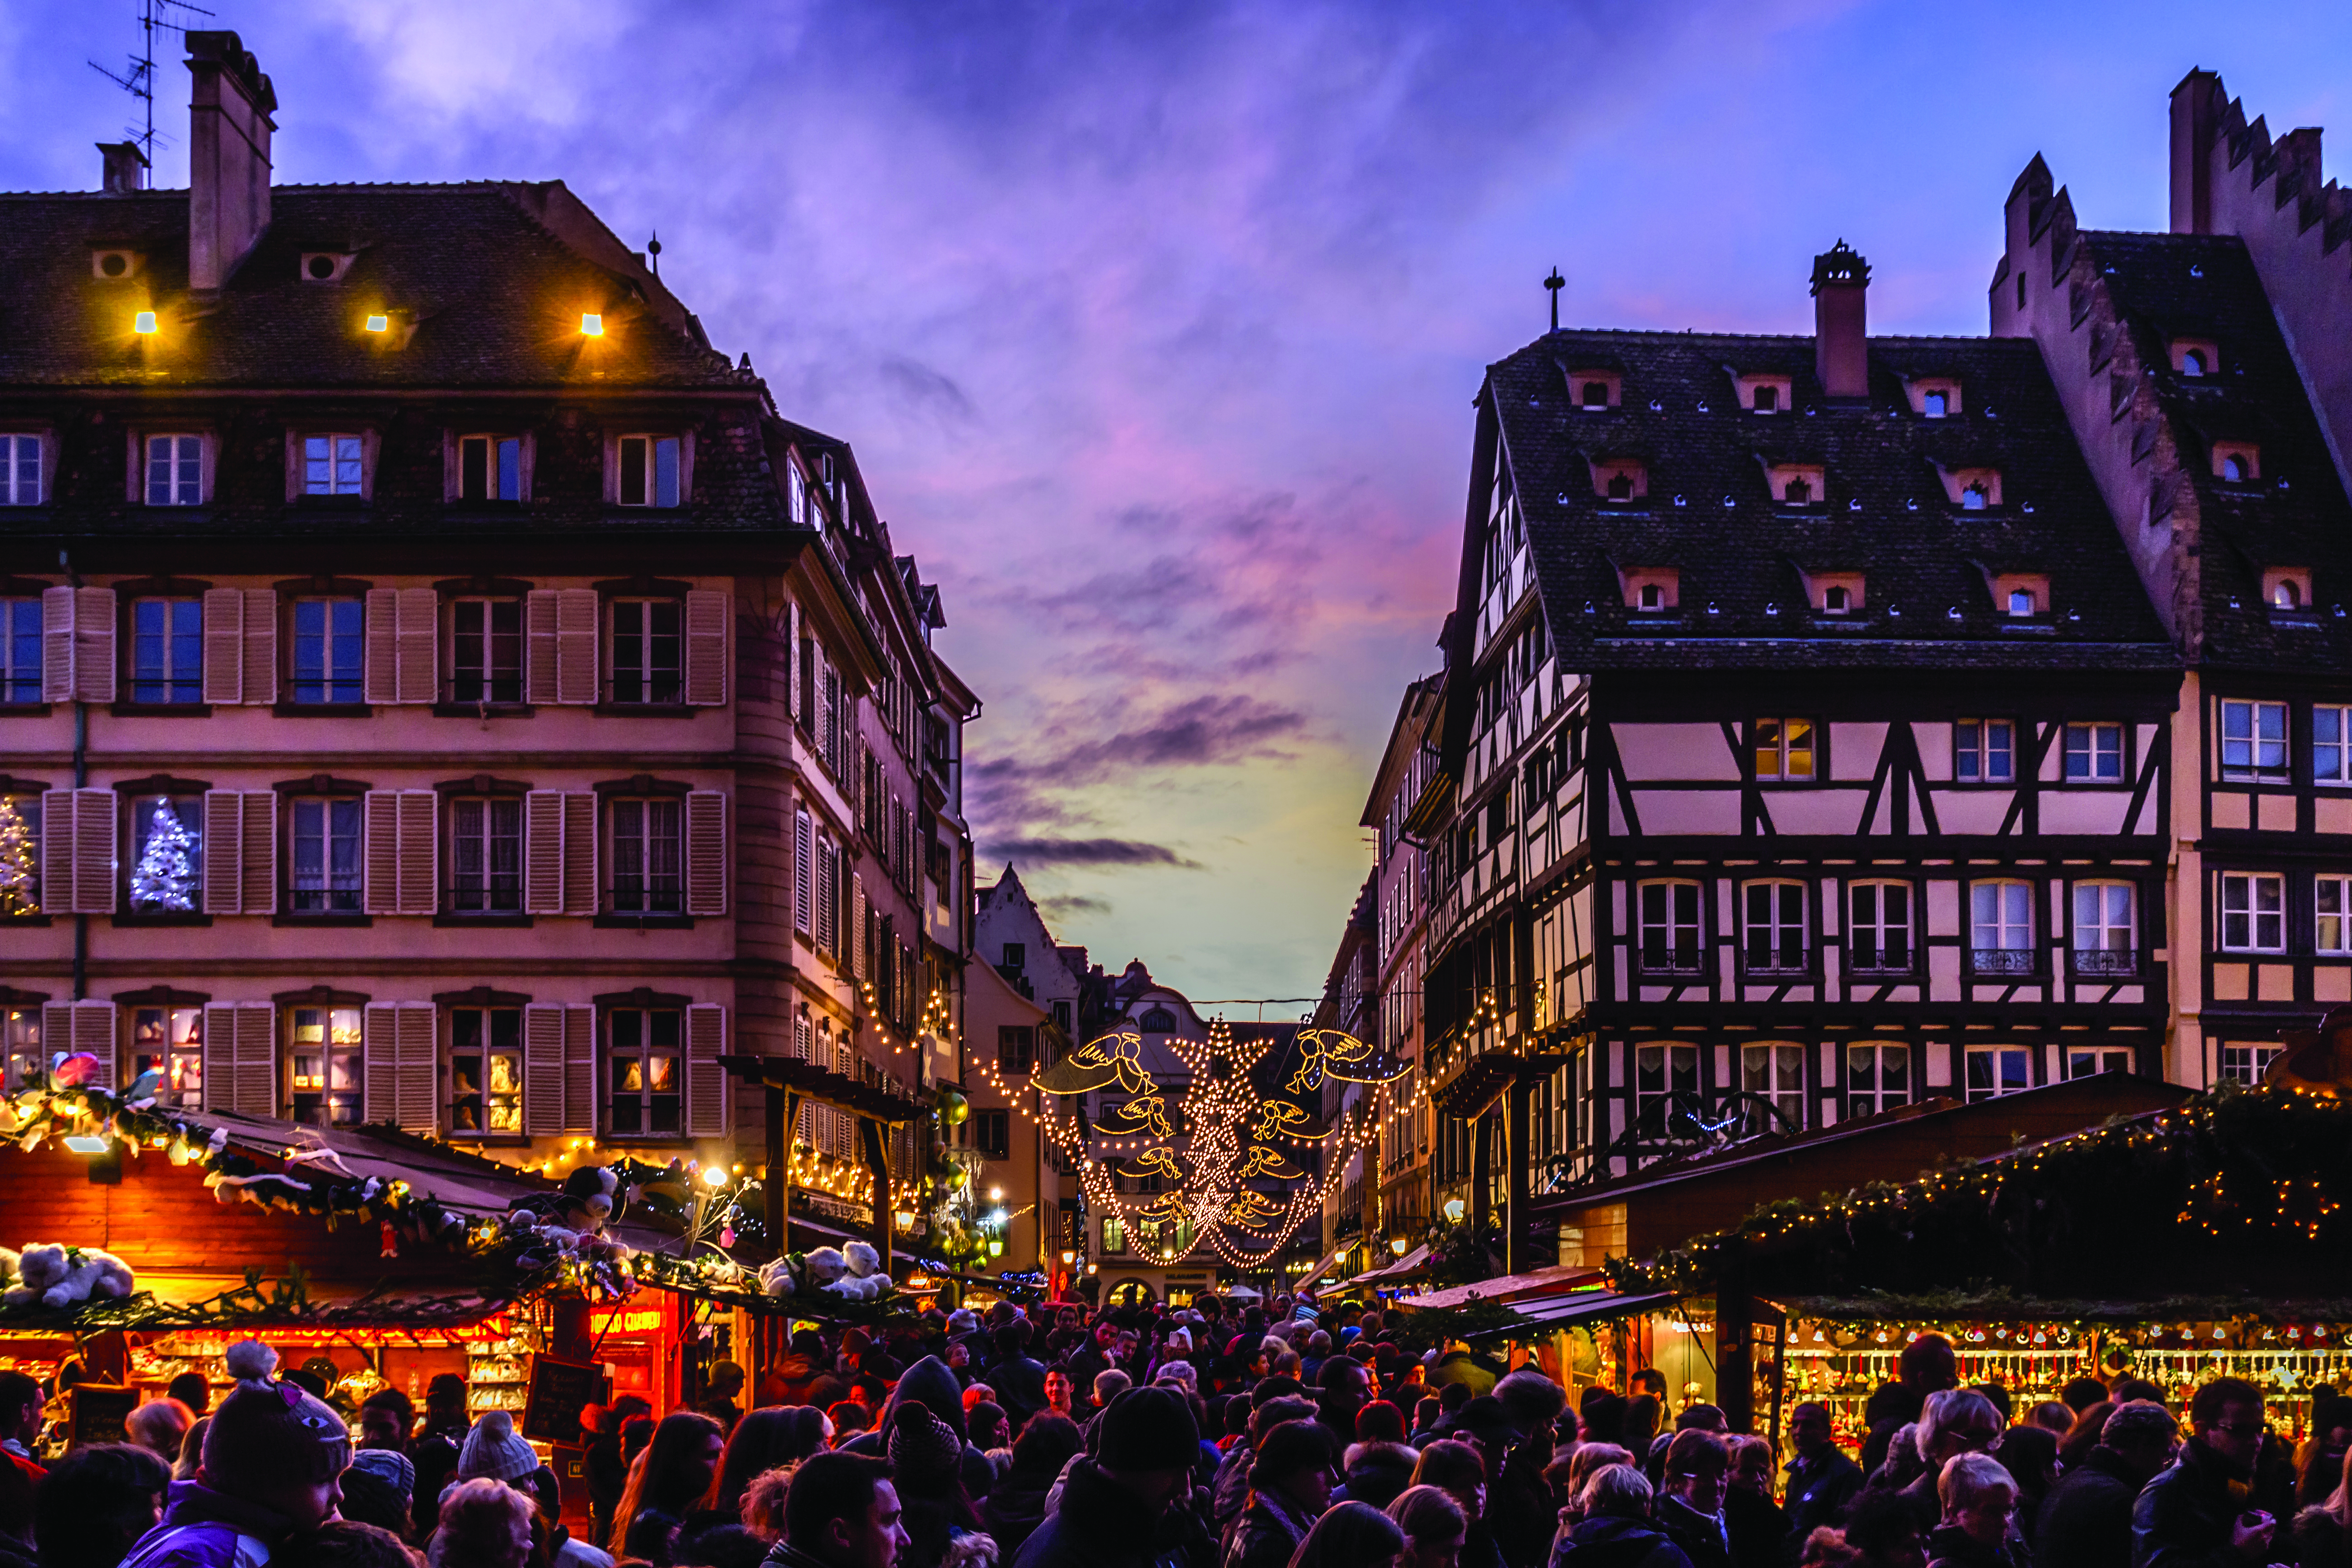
(60, 1276)
(861, 1279)
(8, 1271)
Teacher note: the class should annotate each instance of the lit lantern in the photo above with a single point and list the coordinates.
(144, 323)
(591, 326)
(379, 323)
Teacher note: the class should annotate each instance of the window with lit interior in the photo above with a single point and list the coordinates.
(486, 1072)
(323, 1070)
(1784, 749)
(165, 873)
(2332, 907)
(169, 1042)
(20, 881)
(643, 1060)
(1877, 1077)
(21, 1065)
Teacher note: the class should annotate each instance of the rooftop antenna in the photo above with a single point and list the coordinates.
(1552, 286)
(138, 79)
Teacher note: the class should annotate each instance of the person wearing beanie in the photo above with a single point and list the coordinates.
(493, 1449)
(395, 1472)
(273, 1459)
(938, 1513)
(1290, 1485)
(932, 1381)
(1114, 1511)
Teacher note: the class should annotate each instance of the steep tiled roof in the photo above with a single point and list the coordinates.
(1710, 514)
(2200, 286)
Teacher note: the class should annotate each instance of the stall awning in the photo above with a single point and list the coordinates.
(1321, 1268)
(1396, 1272)
(1546, 1313)
(1509, 1288)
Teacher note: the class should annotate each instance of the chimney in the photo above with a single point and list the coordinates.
(1840, 357)
(126, 168)
(228, 156)
(2197, 104)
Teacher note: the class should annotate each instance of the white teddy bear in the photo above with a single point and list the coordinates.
(863, 1280)
(60, 1276)
(826, 1265)
(776, 1277)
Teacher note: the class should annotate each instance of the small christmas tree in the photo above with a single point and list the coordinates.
(165, 877)
(19, 875)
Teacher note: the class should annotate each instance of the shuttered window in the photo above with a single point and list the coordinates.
(486, 1072)
(86, 1027)
(169, 1042)
(240, 851)
(645, 1071)
(560, 637)
(167, 662)
(647, 649)
(324, 876)
(20, 650)
(402, 635)
(804, 849)
(239, 1071)
(327, 646)
(324, 1078)
(707, 612)
(706, 1081)
(559, 852)
(402, 853)
(78, 644)
(559, 1046)
(706, 853)
(397, 1065)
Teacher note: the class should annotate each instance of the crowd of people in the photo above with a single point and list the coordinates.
(1219, 1435)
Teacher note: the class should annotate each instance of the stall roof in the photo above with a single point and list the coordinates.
(1552, 1281)
(1547, 1313)
(1395, 1272)
(818, 1082)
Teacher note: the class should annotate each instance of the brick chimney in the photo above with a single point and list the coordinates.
(2196, 108)
(126, 168)
(228, 156)
(1841, 356)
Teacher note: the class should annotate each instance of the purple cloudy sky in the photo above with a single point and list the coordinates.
(1156, 327)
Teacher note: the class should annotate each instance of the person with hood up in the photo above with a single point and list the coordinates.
(933, 1382)
(1229, 1493)
(943, 1530)
(1016, 1505)
(1290, 1485)
(1122, 1509)
(1379, 1465)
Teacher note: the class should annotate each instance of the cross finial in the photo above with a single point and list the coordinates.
(1552, 286)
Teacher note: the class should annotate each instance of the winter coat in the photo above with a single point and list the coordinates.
(1229, 1493)
(1758, 1529)
(1608, 1541)
(1101, 1524)
(1015, 1509)
(1950, 1546)
(2087, 1519)
(1818, 1491)
(2319, 1540)
(1268, 1532)
(1700, 1535)
(933, 1383)
(1376, 1474)
(205, 1529)
(2182, 1519)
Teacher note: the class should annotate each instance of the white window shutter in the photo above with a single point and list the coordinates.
(418, 636)
(95, 822)
(539, 645)
(803, 848)
(224, 842)
(580, 894)
(224, 622)
(706, 1081)
(260, 871)
(380, 852)
(542, 1068)
(791, 660)
(580, 1069)
(93, 644)
(57, 851)
(253, 1089)
(708, 613)
(706, 852)
(380, 680)
(379, 1060)
(56, 644)
(219, 1054)
(261, 680)
(57, 1029)
(420, 859)
(542, 862)
(416, 1079)
(577, 611)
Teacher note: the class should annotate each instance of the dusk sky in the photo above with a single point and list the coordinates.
(1156, 327)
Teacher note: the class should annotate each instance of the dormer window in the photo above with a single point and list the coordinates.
(114, 264)
(1971, 490)
(1595, 395)
(1763, 393)
(1836, 601)
(2022, 596)
(1653, 597)
(1652, 588)
(1833, 593)
(1974, 496)
(2237, 462)
(1793, 484)
(2193, 363)
(2020, 601)
(1797, 491)
(2287, 588)
(2287, 598)
(1933, 396)
(1620, 486)
(1594, 389)
(2194, 358)
(1933, 404)
(1620, 479)
(1767, 399)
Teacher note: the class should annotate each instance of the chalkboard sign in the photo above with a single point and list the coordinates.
(99, 1412)
(551, 1411)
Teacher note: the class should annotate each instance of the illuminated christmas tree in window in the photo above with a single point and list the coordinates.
(20, 874)
(165, 877)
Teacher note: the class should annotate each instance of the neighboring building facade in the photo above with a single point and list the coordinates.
(442, 689)
(1402, 888)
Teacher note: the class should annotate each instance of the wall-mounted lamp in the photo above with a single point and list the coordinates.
(1396, 1245)
(144, 323)
(1453, 1210)
(591, 326)
(379, 323)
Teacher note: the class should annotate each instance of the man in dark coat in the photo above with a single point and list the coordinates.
(1122, 1508)
(1290, 1485)
(2086, 1519)
(1928, 1366)
(1822, 1479)
(2200, 1512)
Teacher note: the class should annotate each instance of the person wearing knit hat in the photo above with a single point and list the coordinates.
(273, 1456)
(392, 1465)
(1114, 1507)
(492, 1448)
(922, 1447)
(1290, 1485)
(937, 1510)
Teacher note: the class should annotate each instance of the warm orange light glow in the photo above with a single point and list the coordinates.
(591, 326)
(144, 323)
(379, 323)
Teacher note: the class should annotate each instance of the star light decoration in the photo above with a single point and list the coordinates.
(1222, 1136)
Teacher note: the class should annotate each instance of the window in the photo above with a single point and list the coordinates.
(168, 854)
(1620, 486)
(20, 835)
(2333, 906)
(645, 650)
(1016, 1047)
(167, 642)
(1935, 405)
(2254, 912)
(20, 470)
(328, 645)
(2193, 362)
(326, 856)
(1777, 1073)
(171, 1041)
(1660, 1072)
(1974, 496)
(1836, 600)
(1159, 1021)
(2246, 1063)
(485, 1071)
(2095, 752)
(1878, 931)
(2021, 602)
(330, 465)
(322, 1066)
(1596, 394)
(490, 468)
(644, 1061)
(20, 650)
(20, 1036)
(1653, 596)
(648, 856)
(1767, 398)
(2105, 931)
(2093, 1061)
(486, 650)
(1669, 925)
(1775, 928)
(1877, 1077)
(1996, 1070)
(176, 471)
(2331, 745)
(991, 1133)
(1784, 748)
(2285, 595)
(1114, 1234)
(2000, 928)
(2253, 739)
(485, 855)
(648, 470)
(1984, 751)
(1797, 491)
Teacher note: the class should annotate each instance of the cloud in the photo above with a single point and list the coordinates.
(1087, 852)
(1068, 906)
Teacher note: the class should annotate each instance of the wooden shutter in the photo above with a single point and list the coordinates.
(802, 846)
(418, 638)
(57, 1028)
(416, 1080)
(224, 645)
(706, 852)
(253, 1086)
(260, 834)
(420, 853)
(580, 1069)
(381, 678)
(791, 630)
(380, 1059)
(219, 1054)
(707, 612)
(95, 818)
(580, 894)
(260, 651)
(542, 1068)
(542, 865)
(56, 644)
(706, 1081)
(539, 645)
(57, 851)
(577, 611)
(857, 955)
(380, 852)
(224, 840)
(93, 644)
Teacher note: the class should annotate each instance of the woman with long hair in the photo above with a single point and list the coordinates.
(769, 1438)
(2322, 1533)
(675, 1476)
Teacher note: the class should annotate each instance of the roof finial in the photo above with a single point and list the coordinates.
(652, 248)
(1552, 286)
